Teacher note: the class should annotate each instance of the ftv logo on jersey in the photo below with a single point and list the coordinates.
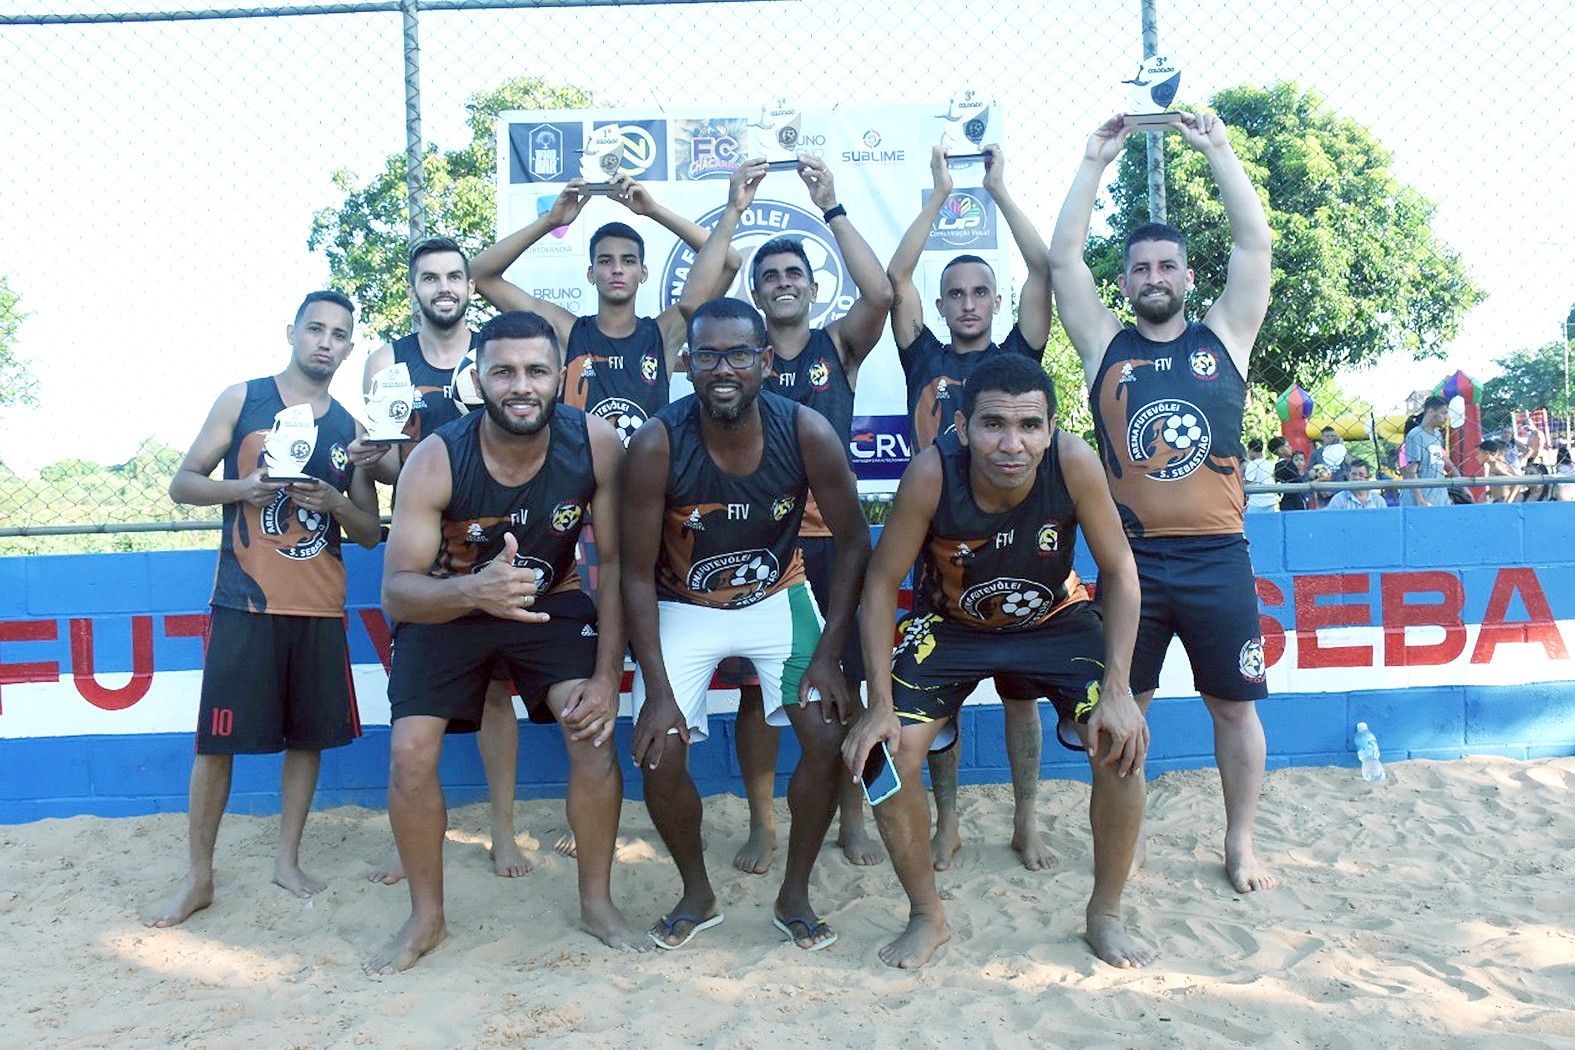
(872, 153)
(542, 152)
(967, 220)
(760, 223)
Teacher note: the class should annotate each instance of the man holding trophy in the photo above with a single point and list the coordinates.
(276, 673)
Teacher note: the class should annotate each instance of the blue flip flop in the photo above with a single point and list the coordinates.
(669, 923)
(810, 929)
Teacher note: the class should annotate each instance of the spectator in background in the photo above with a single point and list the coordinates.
(1564, 467)
(1259, 471)
(1288, 470)
(1490, 454)
(1331, 453)
(1318, 472)
(1358, 499)
(1513, 448)
(1426, 457)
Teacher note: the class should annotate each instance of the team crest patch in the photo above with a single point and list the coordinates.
(474, 533)
(820, 374)
(566, 516)
(1251, 663)
(1204, 364)
(625, 416)
(649, 368)
(748, 574)
(339, 458)
(1050, 537)
(301, 533)
(781, 507)
(1006, 603)
(1171, 436)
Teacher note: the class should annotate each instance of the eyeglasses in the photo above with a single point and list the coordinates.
(737, 357)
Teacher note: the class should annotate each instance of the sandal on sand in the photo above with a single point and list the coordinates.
(811, 928)
(669, 923)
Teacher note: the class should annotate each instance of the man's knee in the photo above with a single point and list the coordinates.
(413, 755)
(1230, 714)
(585, 757)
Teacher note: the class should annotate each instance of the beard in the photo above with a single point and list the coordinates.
(728, 414)
(519, 427)
(440, 322)
(1157, 312)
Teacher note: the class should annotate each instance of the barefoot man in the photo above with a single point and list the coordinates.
(1167, 398)
(480, 573)
(276, 672)
(991, 515)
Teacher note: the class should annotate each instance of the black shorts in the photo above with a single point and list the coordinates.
(937, 663)
(442, 669)
(275, 682)
(1201, 588)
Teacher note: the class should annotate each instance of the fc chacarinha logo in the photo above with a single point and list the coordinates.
(1006, 603)
(300, 533)
(1168, 439)
(566, 516)
(625, 416)
(736, 578)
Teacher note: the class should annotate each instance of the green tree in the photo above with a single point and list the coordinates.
(1358, 270)
(366, 237)
(17, 384)
(1531, 379)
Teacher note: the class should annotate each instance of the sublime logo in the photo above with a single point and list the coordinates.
(872, 153)
(760, 223)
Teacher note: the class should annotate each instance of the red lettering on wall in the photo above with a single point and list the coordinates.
(188, 625)
(1540, 628)
(382, 638)
(1398, 614)
(1273, 630)
(36, 671)
(141, 665)
(1310, 616)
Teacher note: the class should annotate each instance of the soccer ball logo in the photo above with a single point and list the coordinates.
(1005, 603)
(1023, 604)
(300, 449)
(625, 416)
(464, 389)
(1182, 430)
(399, 410)
(754, 573)
(787, 136)
(311, 520)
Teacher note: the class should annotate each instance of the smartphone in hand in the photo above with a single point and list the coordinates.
(879, 775)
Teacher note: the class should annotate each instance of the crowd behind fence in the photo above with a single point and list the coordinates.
(176, 178)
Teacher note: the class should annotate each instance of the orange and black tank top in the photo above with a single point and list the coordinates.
(936, 374)
(283, 559)
(544, 514)
(434, 387)
(730, 541)
(1168, 419)
(624, 381)
(817, 380)
(1010, 571)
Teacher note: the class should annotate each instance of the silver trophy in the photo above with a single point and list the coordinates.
(388, 405)
(601, 160)
(288, 446)
(1154, 88)
(968, 126)
(775, 136)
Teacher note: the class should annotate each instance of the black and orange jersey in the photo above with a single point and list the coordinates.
(1168, 419)
(1010, 571)
(544, 514)
(283, 559)
(936, 375)
(730, 541)
(434, 387)
(817, 380)
(624, 381)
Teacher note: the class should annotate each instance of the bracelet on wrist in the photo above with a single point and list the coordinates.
(833, 212)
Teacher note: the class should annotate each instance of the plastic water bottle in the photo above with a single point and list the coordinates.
(1367, 751)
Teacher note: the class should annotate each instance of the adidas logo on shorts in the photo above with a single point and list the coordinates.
(587, 631)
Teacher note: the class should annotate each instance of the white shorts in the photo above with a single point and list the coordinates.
(777, 634)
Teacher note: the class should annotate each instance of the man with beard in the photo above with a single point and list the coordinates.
(617, 362)
(440, 283)
(1168, 398)
(991, 516)
(713, 495)
(276, 671)
(480, 574)
(818, 368)
(936, 375)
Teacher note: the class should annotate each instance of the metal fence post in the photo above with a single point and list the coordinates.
(1156, 139)
(415, 175)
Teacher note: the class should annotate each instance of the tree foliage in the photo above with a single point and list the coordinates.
(17, 384)
(1358, 270)
(1532, 379)
(367, 236)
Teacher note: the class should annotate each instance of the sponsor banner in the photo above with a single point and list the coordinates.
(644, 148)
(966, 224)
(879, 447)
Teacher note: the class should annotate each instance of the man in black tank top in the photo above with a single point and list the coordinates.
(1167, 399)
(618, 363)
(818, 368)
(712, 495)
(480, 573)
(439, 281)
(276, 670)
(991, 516)
(937, 374)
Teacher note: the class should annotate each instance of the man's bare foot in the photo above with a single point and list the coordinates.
(507, 859)
(1244, 870)
(1139, 854)
(1108, 936)
(1030, 846)
(754, 856)
(298, 882)
(566, 846)
(859, 847)
(914, 946)
(389, 871)
(414, 939)
(945, 844)
(193, 896)
(606, 923)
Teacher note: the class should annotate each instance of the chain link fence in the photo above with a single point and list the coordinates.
(177, 178)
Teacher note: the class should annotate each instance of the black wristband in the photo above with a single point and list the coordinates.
(834, 211)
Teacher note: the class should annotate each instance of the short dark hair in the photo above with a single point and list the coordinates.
(1434, 401)
(729, 309)
(1330, 430)
(327, 295)
(1489, 446)
(617, 229)
(1276, 443)
(777, 246)
(1357, 461)
(1154, 231)
(1008, 374)
(1255, 445)
(958, 260)
(517, 324)
(434, 246)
